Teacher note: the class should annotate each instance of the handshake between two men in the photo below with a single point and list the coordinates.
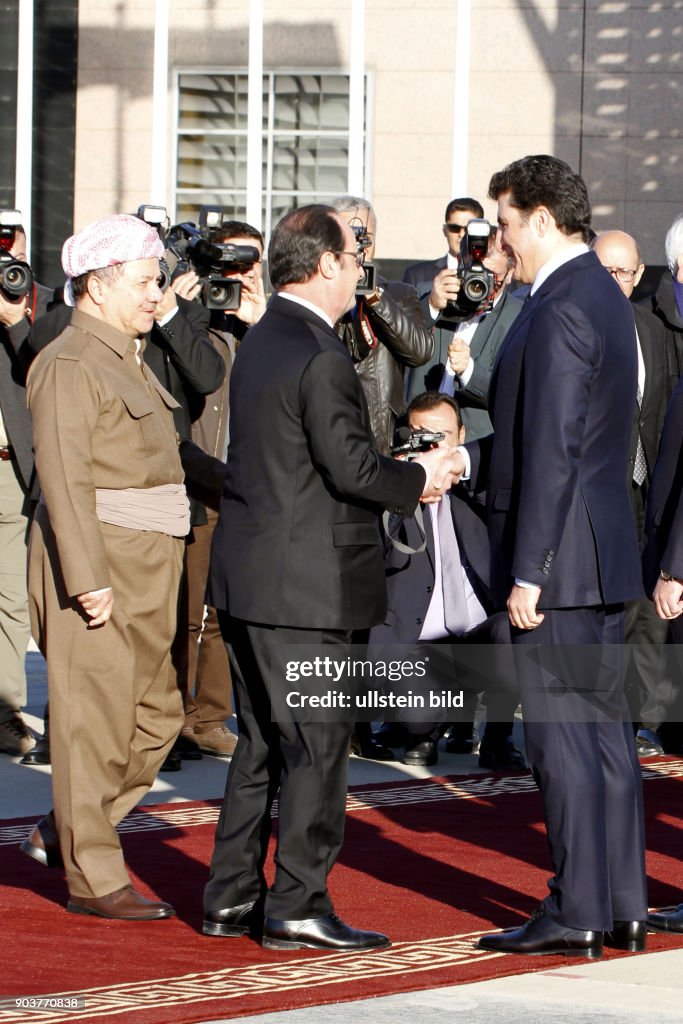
(444, 467)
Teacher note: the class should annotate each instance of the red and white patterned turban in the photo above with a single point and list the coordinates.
(106, 243)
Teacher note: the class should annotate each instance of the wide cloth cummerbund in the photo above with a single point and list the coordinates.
(161, 509)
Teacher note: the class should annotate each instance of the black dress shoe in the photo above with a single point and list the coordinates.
(505, 758)
(648, 744)
(628, 935)
(43, 843)
(541, 935)
(230, 922)
(371, 749)
(670, 920)
(327, 932)
(40, 754)
(422, 754)
(173, 762)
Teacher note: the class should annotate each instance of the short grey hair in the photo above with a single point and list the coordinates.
(351, 204)
(673, 243)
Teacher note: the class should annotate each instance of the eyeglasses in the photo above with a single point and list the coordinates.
(622, 274)
(358, 256)
(455, 229)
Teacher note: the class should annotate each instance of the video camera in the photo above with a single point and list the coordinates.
(411, 442)
(193, 246)
(477, 283)
(16, 277)
(366, 284)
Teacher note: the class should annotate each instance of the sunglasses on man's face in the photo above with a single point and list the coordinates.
(455, 229)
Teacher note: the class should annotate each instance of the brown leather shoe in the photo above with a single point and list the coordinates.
(125, 904)
(43, 843)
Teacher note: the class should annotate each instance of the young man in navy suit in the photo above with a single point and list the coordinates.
(565, 557)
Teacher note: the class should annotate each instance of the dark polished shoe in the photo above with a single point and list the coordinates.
(648, 744)
(43, 843)
(186, 745)
(40, 754)
(670, 920)
(173, 763)
(125, 904)
(501, 759)
(327, 932)
(461, 739)
(371, 749)
(230, 922)
(541, 935)
(422, 754)
(628, 935)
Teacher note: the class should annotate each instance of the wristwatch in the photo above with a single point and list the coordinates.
(667, 577)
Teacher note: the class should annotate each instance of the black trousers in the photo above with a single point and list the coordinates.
(304, 763)
(580, 747)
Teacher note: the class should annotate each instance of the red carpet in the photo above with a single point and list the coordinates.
(433, 863)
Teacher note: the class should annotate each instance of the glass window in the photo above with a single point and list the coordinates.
(305, 142)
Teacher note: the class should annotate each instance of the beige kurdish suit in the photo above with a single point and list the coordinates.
(101, 420)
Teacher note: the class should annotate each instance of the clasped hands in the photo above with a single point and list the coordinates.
(444, 468)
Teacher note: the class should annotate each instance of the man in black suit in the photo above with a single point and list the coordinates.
(663, 568)
(296, 558)
(565, 557)
(465, 349)
(647, 679)
(458, 213)
(420, 550)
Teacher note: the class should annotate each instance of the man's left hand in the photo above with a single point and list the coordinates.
(252, 303)
(97, 605)
(522, 607)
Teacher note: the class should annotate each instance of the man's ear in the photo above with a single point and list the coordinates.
(328, 265)
(96, 289)
(639, 273)
(542, 219)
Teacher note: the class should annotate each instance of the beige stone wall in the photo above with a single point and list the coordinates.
(598, 84)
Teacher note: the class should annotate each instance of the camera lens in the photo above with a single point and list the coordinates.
(15, 280)
(476, 289)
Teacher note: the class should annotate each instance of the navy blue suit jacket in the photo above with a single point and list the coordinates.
(561, 402)
(410, 578)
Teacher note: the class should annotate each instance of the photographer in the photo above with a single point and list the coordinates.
(22, 299)
(203, 667)
(466, 337)
(385, 332)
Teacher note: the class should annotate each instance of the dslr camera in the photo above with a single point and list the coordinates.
(477, 283)
(367, 284)
(16, 277)
(191, 246)
(410, 443)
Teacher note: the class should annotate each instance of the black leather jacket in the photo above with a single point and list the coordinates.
(664, 306)
(398, 338)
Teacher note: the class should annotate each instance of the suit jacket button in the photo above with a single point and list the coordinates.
(429, 589)
(546, 571)
(418, 622)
